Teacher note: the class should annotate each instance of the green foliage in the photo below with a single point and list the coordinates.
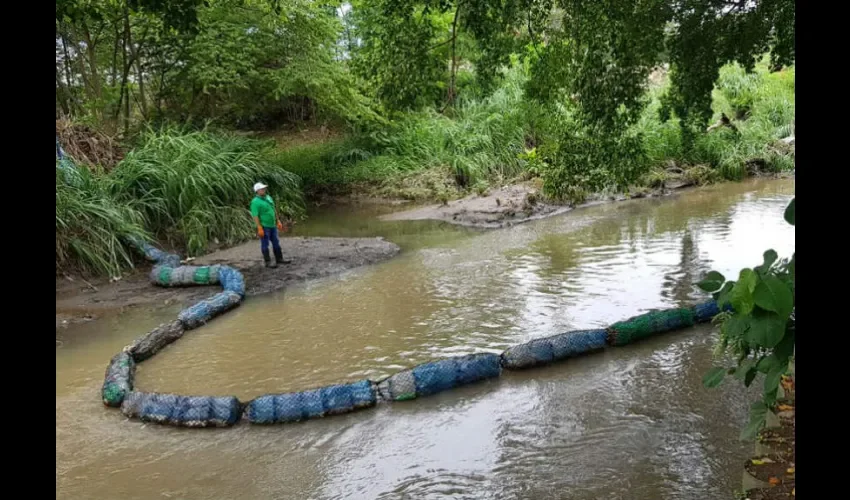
(398, 57)
(244, 63)
(589, 160)
(194, 187)
(460, 87)
(733, 154)
(482, 142)
(761, 331)
(92, 227)
(255, 66)
(711, 33)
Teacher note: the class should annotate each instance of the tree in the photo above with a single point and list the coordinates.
(243, 62)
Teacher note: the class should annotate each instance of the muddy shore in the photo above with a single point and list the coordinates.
(311, 258)
(511, 205)
(521, 203)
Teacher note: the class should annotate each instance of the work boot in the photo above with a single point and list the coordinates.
(278, 257)
(268, 259)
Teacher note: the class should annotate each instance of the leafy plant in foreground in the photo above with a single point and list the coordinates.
(760, 330)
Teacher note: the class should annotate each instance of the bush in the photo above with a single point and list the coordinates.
(92, 227)
(194, 187)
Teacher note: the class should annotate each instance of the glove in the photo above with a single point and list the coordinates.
(261, 233)
(279, 226)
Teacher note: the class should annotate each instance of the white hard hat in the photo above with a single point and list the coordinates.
(258, 186)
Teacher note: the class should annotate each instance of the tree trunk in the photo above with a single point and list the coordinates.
(114, 73)
(128, 65)
(94, 76)
(453, 70)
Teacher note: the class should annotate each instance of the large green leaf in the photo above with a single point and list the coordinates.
(712, 282)
(770, 258)
(766, 330)
(766, 363)
(771, 380)
(785, 348)
(741, 295)
(748, 278)
(773, 295)
(714, 376)
(745, 366)
(790, 212)
(722, 297)
(736, 326)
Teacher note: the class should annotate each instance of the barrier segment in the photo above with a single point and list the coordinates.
(314, 403)
(200, 313)
(118, 381)
(437, 376)
(422, 380)
(182, 411)
(152, 342)
(546, 350)
(648, 324)
(166, 276)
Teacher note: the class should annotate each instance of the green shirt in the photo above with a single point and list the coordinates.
(264, 209)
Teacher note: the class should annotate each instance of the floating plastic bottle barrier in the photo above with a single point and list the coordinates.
(422, 380)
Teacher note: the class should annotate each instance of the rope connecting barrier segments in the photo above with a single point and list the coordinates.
(422, 380)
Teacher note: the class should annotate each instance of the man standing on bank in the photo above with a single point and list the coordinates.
(268, 224)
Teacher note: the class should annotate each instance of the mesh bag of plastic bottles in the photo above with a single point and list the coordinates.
(314, 403)
(152, 342)
(118, 381)
(198, 314)
(156, 255)
(557, 347)
(437, 376)
(232, 280)
(182, 411)
(648, 324)
(166, 276)
(706, 311)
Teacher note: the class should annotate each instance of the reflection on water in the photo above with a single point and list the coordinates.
(631, 422)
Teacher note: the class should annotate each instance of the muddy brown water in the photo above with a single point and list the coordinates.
(631, 422)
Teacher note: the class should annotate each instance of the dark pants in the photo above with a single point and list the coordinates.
(270, 236)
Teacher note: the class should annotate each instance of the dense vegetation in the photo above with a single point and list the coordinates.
(760, 330)
(435, 98)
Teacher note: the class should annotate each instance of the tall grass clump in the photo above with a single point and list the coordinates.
(92, 227)
(761, 107)
(479, 141)
(194, 187)
(332, 166)
(423, 154)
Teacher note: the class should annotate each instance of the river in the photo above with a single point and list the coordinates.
(628, 423)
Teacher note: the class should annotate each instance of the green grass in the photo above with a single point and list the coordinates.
(188, 188)
(485, 142)
(762, 108)
(92, 226)
(194, 187)
(428, 154)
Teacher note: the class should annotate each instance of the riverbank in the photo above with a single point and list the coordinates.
(771, 473)
(79, 300)
(521, 203)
